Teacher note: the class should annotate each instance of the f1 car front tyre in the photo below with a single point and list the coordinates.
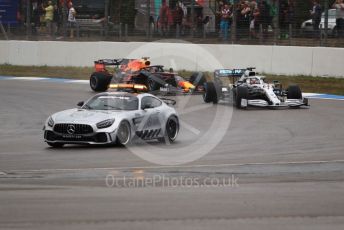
(171, 130)
(241, 93)
(99, 82)
(55, 144)
(294, 92)
(210, 93)
(124, 134)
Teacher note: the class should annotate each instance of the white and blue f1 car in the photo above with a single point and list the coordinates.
(243, 87)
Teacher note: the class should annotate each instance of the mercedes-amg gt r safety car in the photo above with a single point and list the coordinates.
(244, 87)
(114, 118)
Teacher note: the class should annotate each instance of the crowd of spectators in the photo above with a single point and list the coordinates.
(252, 16)
(47, 18)
(178, 18)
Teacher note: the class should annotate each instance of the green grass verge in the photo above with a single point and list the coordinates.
(328, 85)
(46, 71)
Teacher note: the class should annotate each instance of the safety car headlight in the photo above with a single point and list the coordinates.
(105, 124)
(50, 122)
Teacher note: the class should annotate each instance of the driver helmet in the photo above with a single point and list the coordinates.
(254, 81)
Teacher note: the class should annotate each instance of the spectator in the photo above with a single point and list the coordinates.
(224, 24)
(71, 19)
(49, 16)
(36, 15)
(246, 16)
(254, 6)
(178, 18)
(273, 14)
(291, 11)
(339, 6)
(56, 20)
(264, 16)
(240, 18)
(283, 18)
(164, 15)
(255, 22)
(316, 16)
(219, 9)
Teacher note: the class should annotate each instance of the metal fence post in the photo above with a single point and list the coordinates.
(120, 31)
(106, 14)
(260, 34)
(177, 30)
(9, 29)
(126, 32)
(204, 32)
(326, 21)
(276, 22)
(290, 34)
(64, 18)
(148, 20)
(321, 37)
(192, 17)
(28, 19)
(234, 23)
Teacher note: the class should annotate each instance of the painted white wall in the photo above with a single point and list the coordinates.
(287, 60)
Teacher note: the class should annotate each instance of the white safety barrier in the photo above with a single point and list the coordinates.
(286, 60)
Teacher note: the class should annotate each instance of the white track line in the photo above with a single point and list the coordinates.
(183, 166)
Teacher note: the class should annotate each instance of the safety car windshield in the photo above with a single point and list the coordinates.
(112, 102)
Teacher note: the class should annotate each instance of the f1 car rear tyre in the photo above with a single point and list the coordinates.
(99, 82)
(171, 130)
(123, 134)
(55, 144)
(210, 93)
(294, 92)
(241, 93)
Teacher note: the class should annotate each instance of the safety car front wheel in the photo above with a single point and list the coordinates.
(171, 130)
(124, 134)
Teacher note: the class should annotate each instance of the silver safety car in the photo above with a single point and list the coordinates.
(114, 118)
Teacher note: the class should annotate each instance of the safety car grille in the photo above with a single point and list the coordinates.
(97, 138)
(78, 128)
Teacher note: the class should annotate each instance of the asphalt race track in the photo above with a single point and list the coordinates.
(286, 169)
